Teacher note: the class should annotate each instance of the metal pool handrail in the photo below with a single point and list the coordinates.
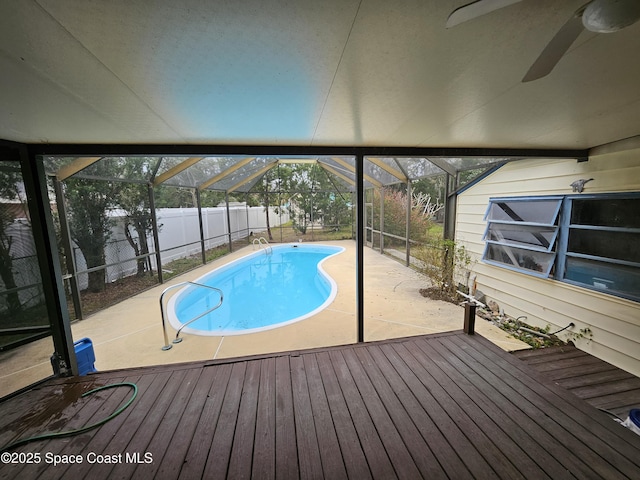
(263, 242)
(167, 346)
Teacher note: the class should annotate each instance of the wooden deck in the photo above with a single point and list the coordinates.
(596, 381)
(437, 406)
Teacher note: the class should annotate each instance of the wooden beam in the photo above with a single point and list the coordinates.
(390, 170)
(172, 172)
(74, 167)
(352, 169)
(226, 172)
(252, 176)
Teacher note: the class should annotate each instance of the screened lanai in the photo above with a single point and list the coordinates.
(303, 197)
(239, 173)
(311, 185)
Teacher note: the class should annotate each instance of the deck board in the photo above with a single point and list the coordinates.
(220, 452)
(578, 427)
(512, 442)
(526, 413)
(195, 460)
(332, 462)
(286, 448)
(469, 418)
(440, 448)
(377, 458)
(307, 440)
(435, 406)
(355, 461)
(536, 444)
(443, 416)
(264, 462)
(174, 456)
(415, 444)
(599, 383)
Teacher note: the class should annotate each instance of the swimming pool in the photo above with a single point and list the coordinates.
(266, 289)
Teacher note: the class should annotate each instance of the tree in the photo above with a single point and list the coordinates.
(134, 200)
(330, 204)
(274, 182)
(301, 183)
(434, 187)
(9, 190)
(167, 196)
(316, 198)
(89, 202)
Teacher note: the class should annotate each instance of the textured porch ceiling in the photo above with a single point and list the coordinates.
(309, 73)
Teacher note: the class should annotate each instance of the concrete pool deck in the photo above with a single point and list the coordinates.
(129, 334)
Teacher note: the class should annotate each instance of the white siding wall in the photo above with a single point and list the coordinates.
(615, 322)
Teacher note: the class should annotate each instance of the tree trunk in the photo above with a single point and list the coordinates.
(6, 262)
(96, 281)
(95, 257)
(136, 249)
(266, 211)
(143, 264)
(6, 273)
(268, 225)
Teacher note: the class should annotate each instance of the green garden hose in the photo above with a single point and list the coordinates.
(78, 431)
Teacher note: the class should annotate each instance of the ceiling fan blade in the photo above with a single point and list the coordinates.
(476, 9)
(556, 48)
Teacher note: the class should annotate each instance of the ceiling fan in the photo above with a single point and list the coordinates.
(600, 16)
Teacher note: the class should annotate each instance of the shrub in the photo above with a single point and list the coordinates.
(441, 260)
(395, 215)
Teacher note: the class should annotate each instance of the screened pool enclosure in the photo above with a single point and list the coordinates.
(155, 216)
(136, 220)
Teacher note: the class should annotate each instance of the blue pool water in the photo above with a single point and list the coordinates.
(261, 291)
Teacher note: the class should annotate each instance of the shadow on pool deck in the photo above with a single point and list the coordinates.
(129, 334)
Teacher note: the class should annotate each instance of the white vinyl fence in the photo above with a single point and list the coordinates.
(179, 237)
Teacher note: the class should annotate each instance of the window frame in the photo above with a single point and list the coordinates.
(548, 251)
(561, 240)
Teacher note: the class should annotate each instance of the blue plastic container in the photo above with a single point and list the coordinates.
(634, 415)
(85, 356)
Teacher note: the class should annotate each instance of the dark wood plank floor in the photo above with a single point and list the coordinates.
(437, 406)
(596, 381)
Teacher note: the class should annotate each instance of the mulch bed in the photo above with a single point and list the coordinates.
(513, 326)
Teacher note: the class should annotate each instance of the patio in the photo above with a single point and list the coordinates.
(129, 334)
(436, 406)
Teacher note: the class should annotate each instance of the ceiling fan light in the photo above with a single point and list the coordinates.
(607, 16)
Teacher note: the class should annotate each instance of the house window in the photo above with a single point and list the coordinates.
(521, 234)
(592, 241)
(602, 244)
